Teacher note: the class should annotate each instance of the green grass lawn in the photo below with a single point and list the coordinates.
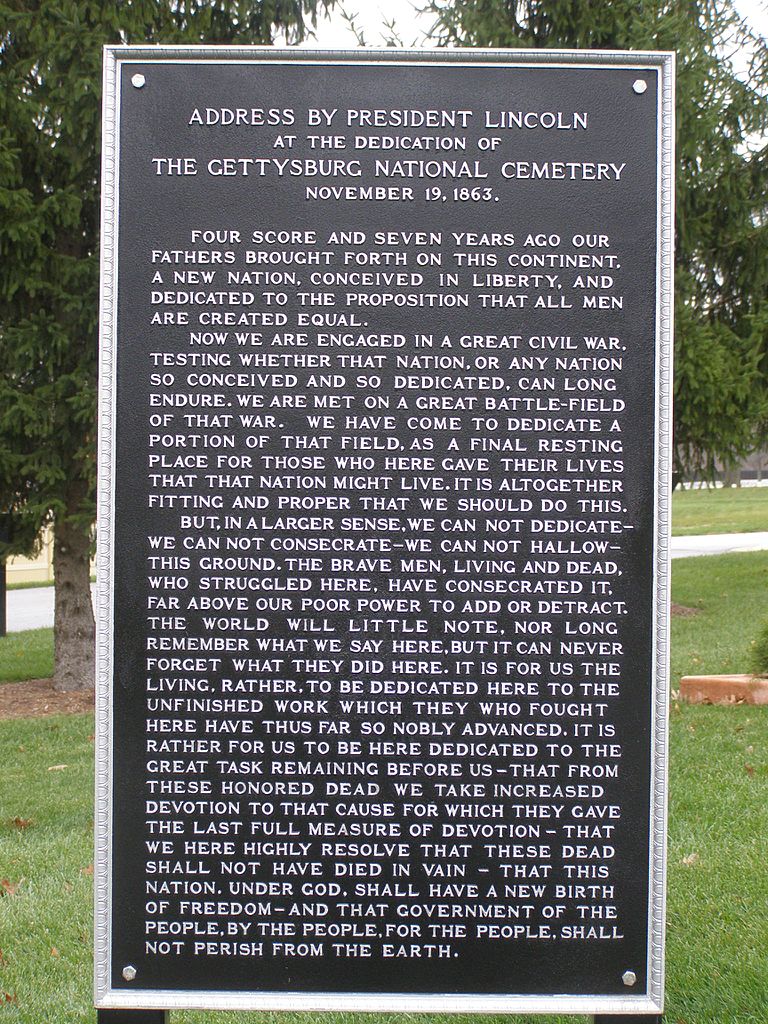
(720, 510)
(26, 655)
(731, 595)
(718, 919)
(33, 585)
(718, 896)
(30, 585)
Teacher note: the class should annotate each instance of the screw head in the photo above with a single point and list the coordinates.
(640, 86)
(138, 81)
(629, 978)
(129, 972)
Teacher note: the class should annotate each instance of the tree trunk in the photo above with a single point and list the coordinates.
(74, 631)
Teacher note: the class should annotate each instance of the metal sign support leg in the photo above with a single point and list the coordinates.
(132, 1017)
(644, 1018)
(163, 1017)
(3, 598)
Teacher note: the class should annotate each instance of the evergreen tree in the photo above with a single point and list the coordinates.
(50, 110)
(721, 280)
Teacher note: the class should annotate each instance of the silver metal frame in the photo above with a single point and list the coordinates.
(664, 64)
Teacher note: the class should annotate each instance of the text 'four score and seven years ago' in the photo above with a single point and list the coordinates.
(384, 632)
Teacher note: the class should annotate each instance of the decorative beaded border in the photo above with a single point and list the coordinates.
(114, 56)
(105, 519)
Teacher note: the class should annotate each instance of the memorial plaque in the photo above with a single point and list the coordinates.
(384, 443)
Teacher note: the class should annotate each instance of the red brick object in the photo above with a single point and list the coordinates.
(724, 689)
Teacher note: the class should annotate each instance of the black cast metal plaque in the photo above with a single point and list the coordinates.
(385, 447)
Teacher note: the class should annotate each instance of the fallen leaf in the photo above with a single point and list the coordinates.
(2, 957)
(87, 871)
(58, 767)
(54, 951)
(21, 823)
(749, 770)
(690, 859)
(22, 749)
(9, 997)
(8, 888)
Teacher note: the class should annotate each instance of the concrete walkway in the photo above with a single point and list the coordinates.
(718, 544)
(33, 608)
